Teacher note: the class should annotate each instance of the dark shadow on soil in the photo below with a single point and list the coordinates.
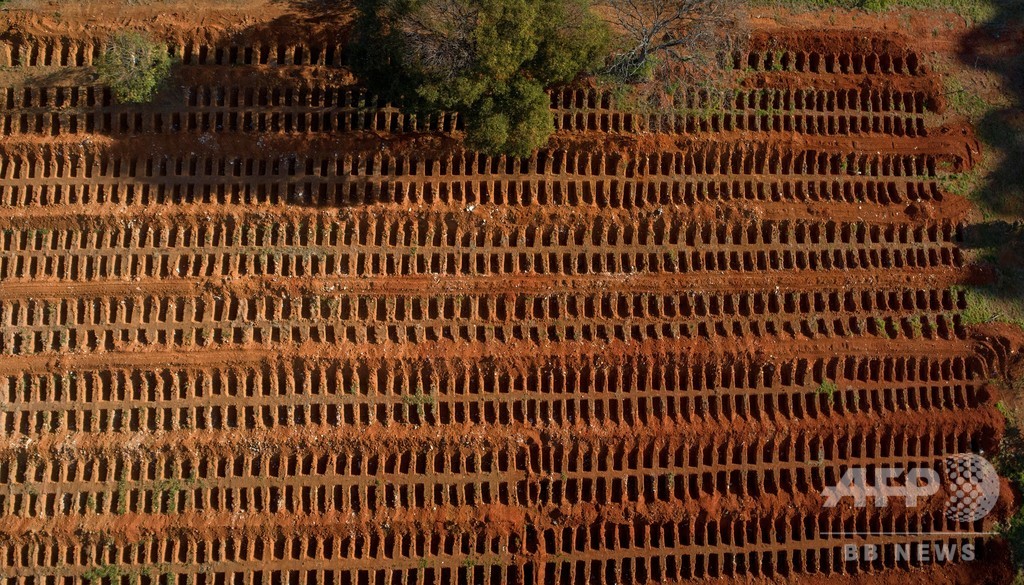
(1000, 246)
(320, 10)
(998, 46)
(272, 139)
(992, 233)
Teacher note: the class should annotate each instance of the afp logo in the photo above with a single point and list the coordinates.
(970, 479)
(974, 487)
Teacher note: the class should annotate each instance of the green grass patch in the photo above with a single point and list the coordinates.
(828, 388)
(964, 101)
(979, 309)
(989, 304)
(417, 399)
(976, 10)
(995, 245)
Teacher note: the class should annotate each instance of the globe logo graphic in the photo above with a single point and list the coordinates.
(974, 487)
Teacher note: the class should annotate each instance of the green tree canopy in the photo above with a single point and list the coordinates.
(488, 60)
(134, 67)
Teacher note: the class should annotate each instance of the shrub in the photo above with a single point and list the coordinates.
(134, 66)
(488, 60)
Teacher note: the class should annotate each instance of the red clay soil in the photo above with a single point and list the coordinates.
(263, 330)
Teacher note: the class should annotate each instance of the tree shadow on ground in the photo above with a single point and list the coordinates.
(998, 46)
(247, 129)
(992, 233)
(998, 244)
(338, 11)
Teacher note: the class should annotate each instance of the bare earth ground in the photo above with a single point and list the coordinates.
(266, 331)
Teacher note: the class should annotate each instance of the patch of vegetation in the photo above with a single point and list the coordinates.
(1010, 464)
(662, 40)
(828, 388)
(988, 304)
(170, 488)
(882, 326)
(417, 399)
(671, 57)
(993, 184)
(976, 10)
(915, 325)
(1013, 533)
(103, 574)
(995, 245)
(134, 66)
(487, 60)
(122, 494)
(963, 100)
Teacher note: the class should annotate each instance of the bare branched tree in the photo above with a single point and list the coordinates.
(681, 31)
(439, 35)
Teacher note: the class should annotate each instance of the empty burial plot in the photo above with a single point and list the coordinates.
(186, 322)
(90, 109)
(717, 174)
(444, 244)
(438, 391)
(604, 553)
(55, 110)
(287, 349)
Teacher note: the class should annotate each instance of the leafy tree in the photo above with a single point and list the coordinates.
(488, 60)
(134, 66)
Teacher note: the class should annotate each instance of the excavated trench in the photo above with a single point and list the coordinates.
(254, 363)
